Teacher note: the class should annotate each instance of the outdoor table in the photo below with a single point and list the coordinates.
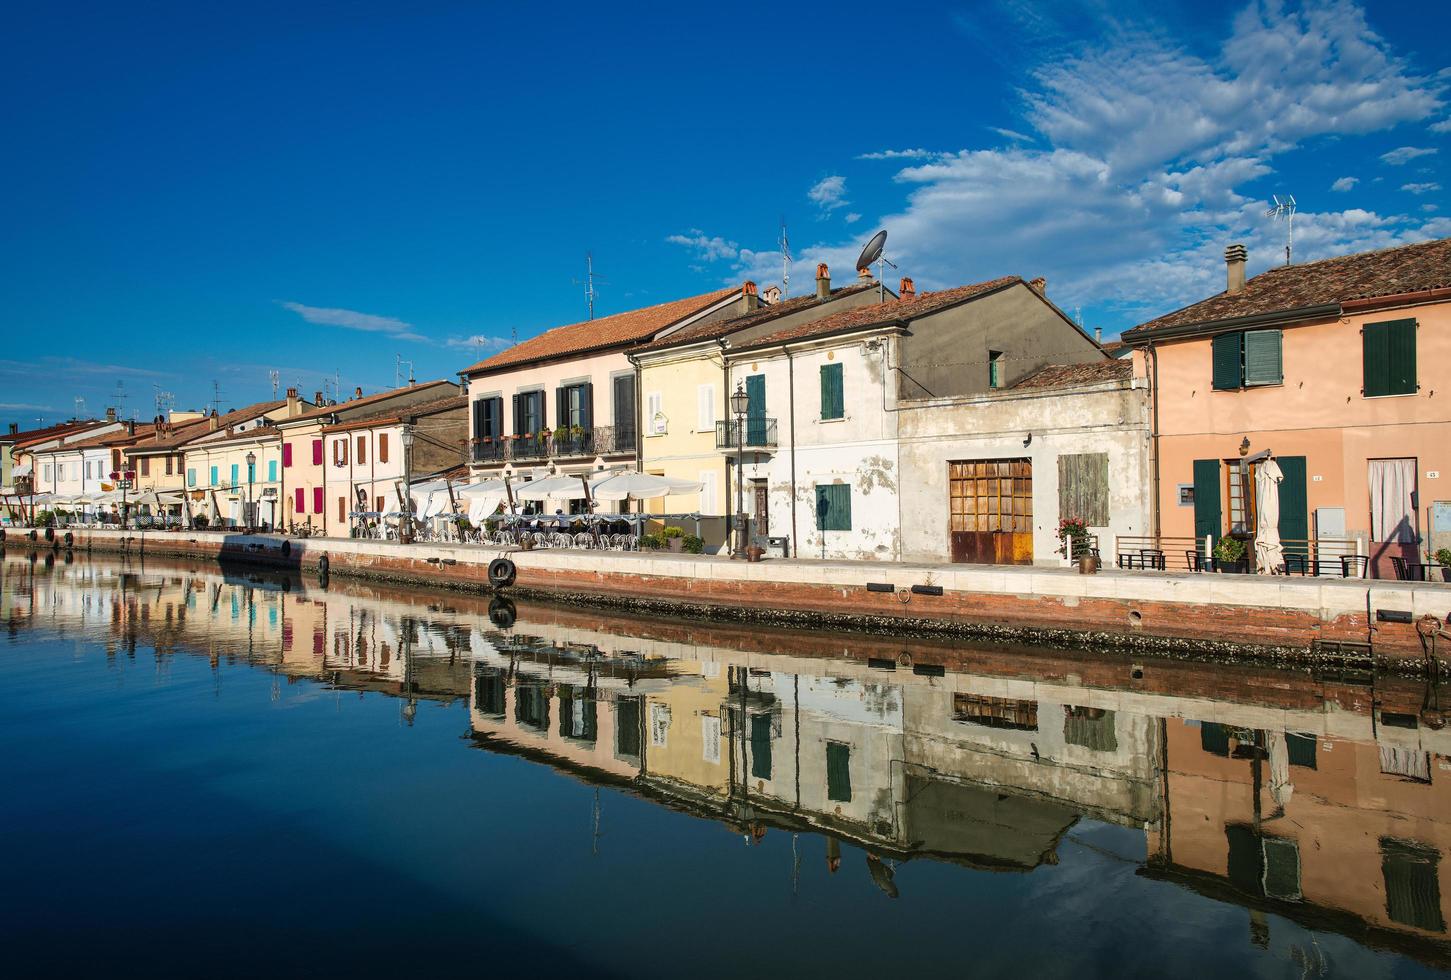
(1427, 571)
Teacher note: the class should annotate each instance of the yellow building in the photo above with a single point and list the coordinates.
(685, 399)
(238, 475)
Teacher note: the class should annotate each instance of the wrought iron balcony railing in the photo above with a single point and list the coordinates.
(602, 440)
(759, 433)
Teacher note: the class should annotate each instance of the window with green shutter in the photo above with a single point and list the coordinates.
(1228, 357)
(833, 507)
(760, 746)
(838, 772)
(1388, 354)
(1263, 359)
(832, 400)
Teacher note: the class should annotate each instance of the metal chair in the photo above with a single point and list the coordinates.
(1296, 564)
(1398, 564)
(1354, 566)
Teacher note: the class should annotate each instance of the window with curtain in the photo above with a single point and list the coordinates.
(1393, 500)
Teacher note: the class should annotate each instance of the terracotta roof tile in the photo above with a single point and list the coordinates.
(121, 437)
(185, 432)
(892, 311)
(715, 329)
(608, 331)
(399, 413)
(1364, 275)
(1070, 375)
(322, 411)
(22, 439)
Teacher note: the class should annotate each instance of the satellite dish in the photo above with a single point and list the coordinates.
(872, 251)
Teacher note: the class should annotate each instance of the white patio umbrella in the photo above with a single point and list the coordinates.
(642, 486)
(425, 494)
(557, 487)
(1269, 553)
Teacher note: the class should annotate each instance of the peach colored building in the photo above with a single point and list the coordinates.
(1335, 368)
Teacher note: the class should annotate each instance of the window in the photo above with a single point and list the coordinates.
(1263, 866)
(286, 455)
(342, 509)
(994, 369)
(625, 408)
(272, 471)
(382, 447)
(710, 739)
(145, 465)
(655, 423)
(235, 482)
(215, 481)
(1091, 728)
(995, 712)
(88, 469)
(489, 418)
(629, 720)
(832, 402)
(45, 470)
(705, 408)
(1413, 888)
(574, 406)
(1388, 352)
(362, 450)
(299, 501)
(168, 466)
(317, 500)
(833, 507)
(760, 746)
(529, 413)
(191, 476)
(1083, 487)
(838, 772)
(317, 452)
(1246, 360)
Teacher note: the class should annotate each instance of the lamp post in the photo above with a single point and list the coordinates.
(405, 437)
(740, 404)
(123, 482)
(251, 476)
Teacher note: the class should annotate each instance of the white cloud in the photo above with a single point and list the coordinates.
(851, 217)
(829, 193)
(353, 320)
(1152, 160)
(1405, 154)
(710, 248)
(918, 154)
(1011, 134)
(1424, 188)
(1344, 184)
(480, 343)
(1444, 126)
(24, 407)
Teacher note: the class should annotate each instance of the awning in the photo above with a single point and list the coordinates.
(642, 486)
(556, 487)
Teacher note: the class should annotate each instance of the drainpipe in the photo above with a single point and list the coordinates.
(791, 408)
(639, 415)
(725, 385)
(1154, 438)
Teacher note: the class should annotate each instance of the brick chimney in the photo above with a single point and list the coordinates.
(317, 399)
(358, 392)
(212, 421)
(14, 428)
(908, 292)
(823, 282)
(294, 404)
(1040, 286)
(750, 296)
(110, 415)
(1234, 260)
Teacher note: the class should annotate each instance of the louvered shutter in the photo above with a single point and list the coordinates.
(587, 405)
(516, 406)
(1262, 358)
(561, 406)
(1294, 505)
(1375, 360)
(832, 402)
(1208, 518)
(1401, 356)
(1227, 357)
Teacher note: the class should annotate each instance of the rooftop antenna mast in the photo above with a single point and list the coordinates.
(80, 407)
(590, 293)
(216, 396)
(872, 252)
(785, 261)
(274, 377)
(398, 371)
(120, 398)
(1285, 208)
(164, 401)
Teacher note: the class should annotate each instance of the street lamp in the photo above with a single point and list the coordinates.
(740, 404)
(123, 481)
(251, 476)
(405, 436)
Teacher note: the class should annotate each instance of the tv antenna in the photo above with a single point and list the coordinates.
(164, 401)
(120, 398)
(398, 363)
(80, 407)
(785, 244)
(590, 293)
(872, 252)
(274, 377)
(216, 396)
(1285, 208)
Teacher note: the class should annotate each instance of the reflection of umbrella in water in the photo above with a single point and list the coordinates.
(1269, 553)
(882, 875)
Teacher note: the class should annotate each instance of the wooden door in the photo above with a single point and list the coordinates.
(761, 526)
(990, 511)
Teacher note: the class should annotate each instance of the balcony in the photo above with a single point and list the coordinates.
(760, 433)
(602, 440)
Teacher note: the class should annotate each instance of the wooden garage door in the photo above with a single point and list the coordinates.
(991, 511)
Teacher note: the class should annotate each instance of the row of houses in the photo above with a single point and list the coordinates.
(881, 424)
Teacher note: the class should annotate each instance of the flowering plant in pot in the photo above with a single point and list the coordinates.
(1073, 542)
(1442, 557)
(1229, 555)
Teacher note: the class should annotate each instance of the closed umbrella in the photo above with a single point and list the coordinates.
(1281, 787)
(1269, 553)
(642, 486)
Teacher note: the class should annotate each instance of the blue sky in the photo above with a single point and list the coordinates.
(206, 192)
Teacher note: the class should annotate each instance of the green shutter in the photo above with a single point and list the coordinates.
(1401, 348)
(1294, 508)
(838, 772)
(1263, 364)
(832, 399)
(761, 746)
(1228, 361)
(1375, 360)
(1208, 519)
(833, 507)
(755, 409)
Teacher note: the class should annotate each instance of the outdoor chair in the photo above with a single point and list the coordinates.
(1296, 564)
(1354, 566)
(1197, 562)
(1398, 564)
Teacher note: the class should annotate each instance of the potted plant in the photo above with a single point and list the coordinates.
(1073, 544)
(755, 553)
(1443, 558)
(652, 541)
(694, 544)
(1229, 555)
(674, 538)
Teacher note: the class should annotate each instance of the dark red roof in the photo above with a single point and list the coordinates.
(877, 314)
(630, 327)
(1328, 282)
(1072, 375)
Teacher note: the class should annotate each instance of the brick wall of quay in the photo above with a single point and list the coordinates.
(1218, 618)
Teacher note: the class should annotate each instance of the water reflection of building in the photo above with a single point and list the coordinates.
(1321, 802)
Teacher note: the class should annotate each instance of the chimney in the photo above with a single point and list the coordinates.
(212, 421)
(317, 399)
(294, 406)
(14, 428)
(908, 292)
(358, 392)
(110, 415)
(1098, 336)
(750, 296)
(864, 274)
(1234, 259)
(1040, 285)
(823, 282)
(131, 428)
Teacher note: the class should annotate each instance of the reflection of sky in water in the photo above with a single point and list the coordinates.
(212, 773)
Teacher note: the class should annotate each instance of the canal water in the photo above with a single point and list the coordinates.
(223, 772)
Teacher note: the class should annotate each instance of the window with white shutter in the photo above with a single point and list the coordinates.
(705, 408)
(707, 492)
(655, 414)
